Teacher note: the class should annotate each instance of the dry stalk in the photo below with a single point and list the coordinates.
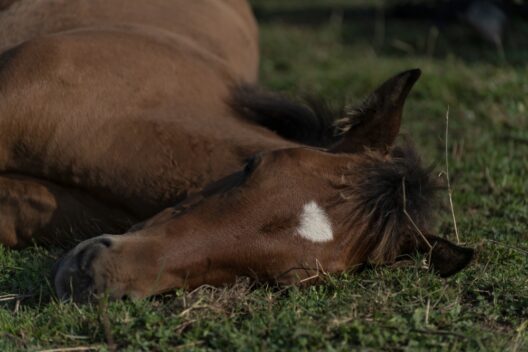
(412, 221)
(72, 349)
(449, 191)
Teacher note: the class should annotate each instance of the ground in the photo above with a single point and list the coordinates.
(484, 307)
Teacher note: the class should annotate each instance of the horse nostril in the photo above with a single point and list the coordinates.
(106, 242)
(87, 254)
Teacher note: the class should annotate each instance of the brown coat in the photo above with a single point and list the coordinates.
(112, 110)
(122, 101)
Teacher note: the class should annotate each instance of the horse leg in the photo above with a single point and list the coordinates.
(34, 210)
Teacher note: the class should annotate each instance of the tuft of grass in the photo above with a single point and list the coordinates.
(485, 307)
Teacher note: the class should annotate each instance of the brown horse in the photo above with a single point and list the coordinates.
(113, 110)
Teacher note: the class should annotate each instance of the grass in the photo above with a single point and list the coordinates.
(485, 307)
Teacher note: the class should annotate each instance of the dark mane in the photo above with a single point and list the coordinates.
(379, 189)
(310, 122)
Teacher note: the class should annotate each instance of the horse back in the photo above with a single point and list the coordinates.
(126, 99)
(226, 28)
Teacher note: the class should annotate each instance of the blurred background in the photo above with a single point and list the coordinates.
(473, 54)
(495, 31)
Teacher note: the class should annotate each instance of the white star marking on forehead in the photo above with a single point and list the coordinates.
(314, 224)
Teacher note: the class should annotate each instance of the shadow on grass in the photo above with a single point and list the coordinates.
(26, 277)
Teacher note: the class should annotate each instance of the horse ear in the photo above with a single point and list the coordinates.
(447, 258)
(376, 123)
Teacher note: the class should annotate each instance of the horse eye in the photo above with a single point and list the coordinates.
(251, 164)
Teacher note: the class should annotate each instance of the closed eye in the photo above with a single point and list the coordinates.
(251, 164)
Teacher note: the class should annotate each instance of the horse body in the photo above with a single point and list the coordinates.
(113, 111)
(124, 101)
